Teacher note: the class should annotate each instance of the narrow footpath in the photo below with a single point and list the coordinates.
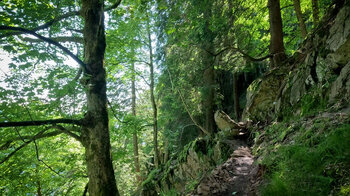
(237, 176)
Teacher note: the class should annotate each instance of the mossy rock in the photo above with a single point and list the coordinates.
(262, 94)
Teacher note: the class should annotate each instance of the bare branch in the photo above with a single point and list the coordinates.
(57, 39)
(80, 62)
(40, 122)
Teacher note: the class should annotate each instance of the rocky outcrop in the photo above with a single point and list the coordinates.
(261, 96)
(184, 172)
(319, 71)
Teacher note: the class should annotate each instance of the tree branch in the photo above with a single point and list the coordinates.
(57, 39)
(245, 55)
(27, 31)
(57, 19)
(114, 114)
(70, 133)
(40, 160)
(40, 122)
(76, 30)
(7, 143)
(45, 25)
(23, 145)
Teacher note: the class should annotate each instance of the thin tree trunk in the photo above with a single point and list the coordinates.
(276, 41)
(134, 136)
(38, 184)
(95, 132)
(166, 153)
(236, 95)
(315, 12)
(38, 190)
(300, 18)
(154, 106)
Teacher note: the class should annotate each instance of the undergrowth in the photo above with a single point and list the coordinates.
(316, 162)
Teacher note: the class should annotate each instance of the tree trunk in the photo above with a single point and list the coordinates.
(134, 136)
(38, 189)
(315, 12)
(236, 95)
(276, 40)
(209, 82)
(154, 106)
(209, 72)
(95, 133)
(166, 150)
(300, 18)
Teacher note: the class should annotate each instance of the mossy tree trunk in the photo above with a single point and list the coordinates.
(209, 72)
(95, 133)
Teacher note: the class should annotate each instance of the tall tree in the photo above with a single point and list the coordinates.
(94, 133)
(134, 135)
(276, 31)
(207, 43)
(153, 100)
(299, 14)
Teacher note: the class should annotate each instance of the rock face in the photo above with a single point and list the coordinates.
(320, 70)
(228, 126)
(181, 174)
(261, 96)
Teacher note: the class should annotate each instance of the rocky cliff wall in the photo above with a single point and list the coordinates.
(318, 74)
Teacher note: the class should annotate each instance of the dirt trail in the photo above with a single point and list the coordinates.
(237, 176)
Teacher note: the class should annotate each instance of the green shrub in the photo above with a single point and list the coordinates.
(305, 169)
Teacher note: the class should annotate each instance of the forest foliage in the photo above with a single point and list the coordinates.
(187, 41)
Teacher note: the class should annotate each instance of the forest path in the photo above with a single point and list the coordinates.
(237, 176)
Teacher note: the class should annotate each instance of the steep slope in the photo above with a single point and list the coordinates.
(302, 108)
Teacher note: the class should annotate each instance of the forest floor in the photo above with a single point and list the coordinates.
(237, 176)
